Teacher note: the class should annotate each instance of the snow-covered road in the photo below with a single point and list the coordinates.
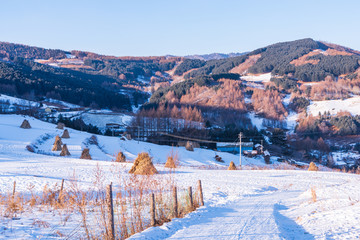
(254, 217)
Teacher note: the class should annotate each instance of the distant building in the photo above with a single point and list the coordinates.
(234, 147)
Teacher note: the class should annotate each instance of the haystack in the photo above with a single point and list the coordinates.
(313, 167)
(170, 163)
(232, 166)
(65, 134)
(143, 165)
(57, 144)
(120, 157)
(65, 151)
(60, 125)
(57, 138)
(85, 154)
(25, 124)
(189, 146)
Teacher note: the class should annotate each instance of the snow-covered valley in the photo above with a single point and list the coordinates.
(259, 202)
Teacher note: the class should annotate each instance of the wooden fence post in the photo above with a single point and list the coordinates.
(152, 210)
(175, 202)
(109, 200)
(191, 198)
(61, 190)
(14, 188)
(200, 193)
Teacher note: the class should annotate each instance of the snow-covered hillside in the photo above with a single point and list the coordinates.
(246, 204)
(334, 106)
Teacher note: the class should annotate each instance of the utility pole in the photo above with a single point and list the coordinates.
(240, 136)
(262, 146)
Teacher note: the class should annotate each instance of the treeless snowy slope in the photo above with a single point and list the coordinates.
(335, 106)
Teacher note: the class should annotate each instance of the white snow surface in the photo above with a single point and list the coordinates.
(334, 106)
(244, 204)
(257, 78)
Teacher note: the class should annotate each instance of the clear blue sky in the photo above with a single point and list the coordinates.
(151, 27)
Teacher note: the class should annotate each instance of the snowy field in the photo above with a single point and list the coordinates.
(257, 78)
(246, 204)
(334, 106)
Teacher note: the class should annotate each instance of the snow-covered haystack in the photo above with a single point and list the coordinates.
(189, 146)
(25, 124)
(143, 165)
(65, 134)
(313, 167)
(85, 154)
(57, 144)
(232, 166)
(170, 163)
(60, 125)
(65, 151)
(120, 157)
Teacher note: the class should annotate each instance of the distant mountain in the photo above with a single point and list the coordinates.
(212, 56)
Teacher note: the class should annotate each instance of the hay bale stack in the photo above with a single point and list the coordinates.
(60, 125)
(65, 134)
(170, 163)
(189, 146)
(85, 154)
(65, 151)
(313, 167)
(57, 138)
(25, 124)
(57, 144)
(120, 157)
(232, 166)
(143, 165)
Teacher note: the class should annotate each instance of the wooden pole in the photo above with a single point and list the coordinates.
(175, 202)
(200, 193)
(14, 188)
(152, 210)
(191, 198)
(61, 190)
(109, 199)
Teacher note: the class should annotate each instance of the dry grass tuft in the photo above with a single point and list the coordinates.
(313, 194)
(85, 154)
(25, 124)
(143, 165)
(120, 157)
(57, 144)
(313, 167)
(65, 134)
(232, 166)
(65, 151)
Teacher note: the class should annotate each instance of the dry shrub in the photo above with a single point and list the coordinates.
(65, 151)
(189, 146)
(143, 165)
(218, 158)
(232, 166)
(313, 167)
(65, 134)
(57, 144)
(120, 157)
(85, 154)
(60, 125)
(25, 124)
(30, 148)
